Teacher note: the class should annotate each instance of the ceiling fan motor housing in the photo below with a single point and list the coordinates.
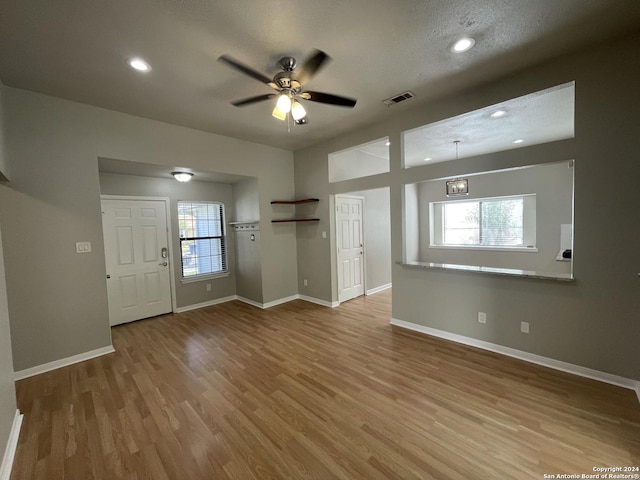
(289, 82)
(284, 81)
(288, 63)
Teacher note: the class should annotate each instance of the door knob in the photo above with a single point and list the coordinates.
(163, 264)
(108, 276)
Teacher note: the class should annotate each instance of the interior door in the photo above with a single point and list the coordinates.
(137, 259)
(350, 247)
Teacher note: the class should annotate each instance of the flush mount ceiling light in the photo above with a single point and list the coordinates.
(518, 141)
(427, 159)
(182, 176)
(463, 45)
(498, 114)
(139, 64)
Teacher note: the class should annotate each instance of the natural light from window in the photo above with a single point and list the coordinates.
(489, 223)
(202, 239)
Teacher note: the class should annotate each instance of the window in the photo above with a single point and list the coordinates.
(202, 239)
(504, 222)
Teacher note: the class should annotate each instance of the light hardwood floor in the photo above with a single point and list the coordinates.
(304, 391)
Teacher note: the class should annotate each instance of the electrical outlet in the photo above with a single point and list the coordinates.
(482, 317)
(208, 287)
(305, 283)
(524, 327)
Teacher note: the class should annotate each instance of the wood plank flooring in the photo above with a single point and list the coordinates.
(301, 391)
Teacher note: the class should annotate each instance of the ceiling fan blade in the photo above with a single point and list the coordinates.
(233, 63)
(328, 98)
(250, 100)
(311, 66)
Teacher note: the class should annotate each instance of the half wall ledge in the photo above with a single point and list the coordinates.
(508, 272)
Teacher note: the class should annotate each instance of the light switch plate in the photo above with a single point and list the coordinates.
(83, 247)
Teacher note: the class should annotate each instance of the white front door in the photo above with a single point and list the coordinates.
(350, 247)
(137, 259)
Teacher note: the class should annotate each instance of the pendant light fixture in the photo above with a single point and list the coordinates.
(457, 186)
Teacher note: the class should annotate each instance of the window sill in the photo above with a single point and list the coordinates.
(485, 249)
(509, 272)
(202, 278)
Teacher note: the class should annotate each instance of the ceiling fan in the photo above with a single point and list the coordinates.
(288, 85)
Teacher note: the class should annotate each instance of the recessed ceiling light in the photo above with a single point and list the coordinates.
(498, 114)
(139, 65)
(387, 144)
(518, 141)
(427, 159)
(463, 45)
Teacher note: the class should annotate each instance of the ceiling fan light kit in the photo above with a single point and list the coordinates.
(284, 103)
(289, 85)
(297, 111)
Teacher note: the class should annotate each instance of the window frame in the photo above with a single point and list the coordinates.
(437, 225)
(222, 237)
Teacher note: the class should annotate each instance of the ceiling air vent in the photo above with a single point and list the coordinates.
(401, 97)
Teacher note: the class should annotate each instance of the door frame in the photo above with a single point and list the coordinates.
(336, 240)
(167, 209)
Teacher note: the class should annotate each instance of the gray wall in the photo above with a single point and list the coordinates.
(553, 186)
(592, 322)
(7, 386)
(377, 237)
(248, 251)
(4, 163)
(57, 298)
(190, 293)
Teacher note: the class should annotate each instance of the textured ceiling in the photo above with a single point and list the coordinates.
(539, 117)
(78, 50)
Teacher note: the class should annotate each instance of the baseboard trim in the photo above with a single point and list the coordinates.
(378, 289)
(206, 304)
(250, 302)
(317, 301)
(526, 356)
(253, 303)
(280, 301)
(63, 362)
(12, 445)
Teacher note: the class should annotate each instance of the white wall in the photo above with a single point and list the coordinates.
(355, 163)
(57, 298)
(592, 322)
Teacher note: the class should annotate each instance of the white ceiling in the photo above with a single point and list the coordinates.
(540, 117)
(78, 50)
(124, 167)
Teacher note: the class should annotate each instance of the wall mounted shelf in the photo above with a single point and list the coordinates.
(284, 220)
(295, 202)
